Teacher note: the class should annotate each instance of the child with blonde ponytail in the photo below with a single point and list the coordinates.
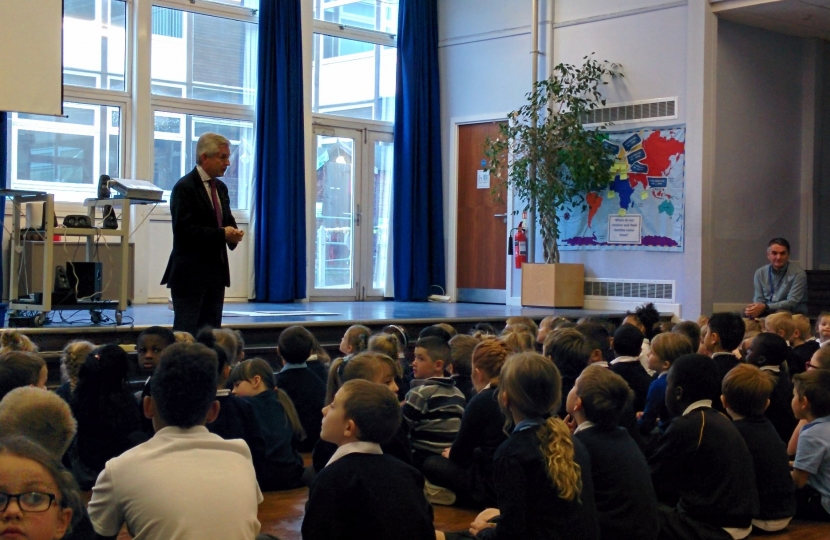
(542, 475)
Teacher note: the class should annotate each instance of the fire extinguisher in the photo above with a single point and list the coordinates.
(520, 245)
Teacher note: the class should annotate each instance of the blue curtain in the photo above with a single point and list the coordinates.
(279, 208)
(418, 209)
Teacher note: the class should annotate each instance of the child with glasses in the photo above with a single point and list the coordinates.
(38, 497)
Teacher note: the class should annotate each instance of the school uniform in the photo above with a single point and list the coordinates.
(724, 362)
(655, 412)
(780, 411)
(702, 471)
(236, 420)
(465, 384)
(801, 355)
(308, 393)
(530, 506)
(469, 470)
(365, 494)
(283, 465)
(398, 447)
(623, 493)
(813, 456)
(776, 491)
(630, 369)
(317, 367)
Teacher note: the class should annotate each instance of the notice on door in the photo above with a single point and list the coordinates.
(482, 179)
(625, 229)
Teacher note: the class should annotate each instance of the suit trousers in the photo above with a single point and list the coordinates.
(194, 311)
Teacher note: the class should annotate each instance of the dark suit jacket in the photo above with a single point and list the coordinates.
(199, 258)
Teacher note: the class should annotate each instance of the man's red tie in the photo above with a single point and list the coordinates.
(215, 199)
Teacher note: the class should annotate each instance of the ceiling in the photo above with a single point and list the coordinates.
(803, 18)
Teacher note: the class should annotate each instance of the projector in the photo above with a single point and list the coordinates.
(136, 189)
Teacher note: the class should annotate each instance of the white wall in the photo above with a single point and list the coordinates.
(757, 162)
(485, 68)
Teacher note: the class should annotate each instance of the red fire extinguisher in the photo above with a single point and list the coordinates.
(520, 245)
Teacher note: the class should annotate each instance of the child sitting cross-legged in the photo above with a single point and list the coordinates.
(745, 395)
(363, 493)
(434, 406)
(702, 470)
(811, 469)
(625, 500)
(542, 474)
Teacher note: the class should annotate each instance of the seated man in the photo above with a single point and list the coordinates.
(780, 285)
(185, 482)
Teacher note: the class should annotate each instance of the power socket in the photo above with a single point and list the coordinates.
(439, 298)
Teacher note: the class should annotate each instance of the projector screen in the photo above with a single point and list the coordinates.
(31, 63)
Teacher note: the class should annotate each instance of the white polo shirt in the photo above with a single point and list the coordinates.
(181, 484)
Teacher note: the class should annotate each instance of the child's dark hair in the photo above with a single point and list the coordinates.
(461, 352)
(730, 328)
(698, 377)
(690, 329)
(357, 336)
(768, 349)
(449, 328)
(165, 334)
(533, 387)
(814, 384)
(15, 340)
(373, 408)
(747, 389)
(295, 344)
(484, 328)
(648, 316)
(184, 384)
(434, 331)
(596, 337)
(248, 369)
(628, 340)
(400, 333)
(436, 348)
(569, 351)
(70, 495)
(604, 395)
(669, 346)
(18, 368)
(207, 337)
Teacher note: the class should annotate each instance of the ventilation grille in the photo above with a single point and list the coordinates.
(655, 109)
(654, 290)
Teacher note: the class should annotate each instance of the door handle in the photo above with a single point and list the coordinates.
(504, 216)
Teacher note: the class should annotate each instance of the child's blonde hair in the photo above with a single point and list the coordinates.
(184, 337)
(781, 323)
(802, 324)
(229, 341)
(370, 365)
(670, 346)
(527, 322)
(13, 340)
(533, 387)
(73, 357)
(387, 344)
(519, 339)
(751, 328)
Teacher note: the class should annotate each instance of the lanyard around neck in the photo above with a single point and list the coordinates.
(772, 280)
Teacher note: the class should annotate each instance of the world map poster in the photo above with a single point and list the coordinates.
(642, 207)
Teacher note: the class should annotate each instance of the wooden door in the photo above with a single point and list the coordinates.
(482, 225)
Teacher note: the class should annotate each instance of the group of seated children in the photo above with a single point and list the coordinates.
(639, 432)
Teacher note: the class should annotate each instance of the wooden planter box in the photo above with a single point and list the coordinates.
(553, 285)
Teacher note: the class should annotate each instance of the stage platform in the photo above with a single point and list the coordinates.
(261, 323)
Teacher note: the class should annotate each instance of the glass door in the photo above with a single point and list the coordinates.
(352, 214)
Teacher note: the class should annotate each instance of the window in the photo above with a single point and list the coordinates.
(66, 155)
(379, 15)
(199, 84)
(174, 149)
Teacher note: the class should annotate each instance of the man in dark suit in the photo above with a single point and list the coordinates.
(203, 228)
